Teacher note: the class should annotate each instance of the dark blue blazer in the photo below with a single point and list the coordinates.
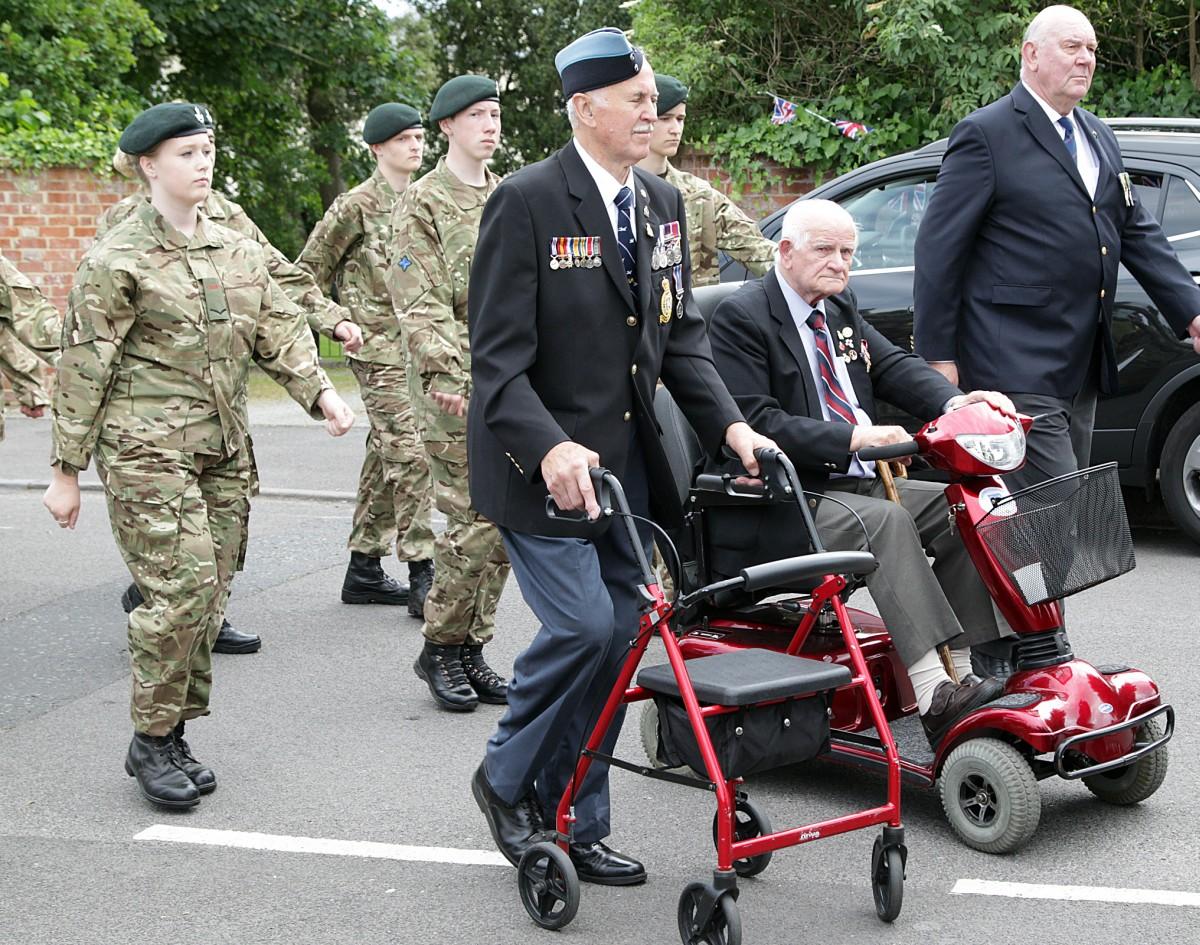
(1016, 265)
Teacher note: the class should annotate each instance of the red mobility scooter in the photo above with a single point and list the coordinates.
(728, 715)
(1106, 725)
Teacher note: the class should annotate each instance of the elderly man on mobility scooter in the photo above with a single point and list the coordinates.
(805, 369)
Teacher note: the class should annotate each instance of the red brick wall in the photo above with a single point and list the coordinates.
(48, 220)
(786, 184)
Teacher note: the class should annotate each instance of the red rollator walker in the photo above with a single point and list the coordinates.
(726, 716)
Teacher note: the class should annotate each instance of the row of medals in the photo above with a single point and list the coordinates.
(663, 255)
(574, 262)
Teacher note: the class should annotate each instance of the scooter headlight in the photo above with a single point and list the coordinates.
(1004, 452)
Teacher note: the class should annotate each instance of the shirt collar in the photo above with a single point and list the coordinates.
(1051, 111)
(608, 185)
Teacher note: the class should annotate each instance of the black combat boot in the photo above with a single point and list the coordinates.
(441, 667)
(420, 580)
(489, 685)
(367, 583)
(201, 776)
(154, 760)
(228, 639)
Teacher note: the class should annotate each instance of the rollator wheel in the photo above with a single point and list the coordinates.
(990, 795)
(748, 822)
(724, 927)
(549, 885)
(887, 880)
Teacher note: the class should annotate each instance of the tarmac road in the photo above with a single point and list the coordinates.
(327, 734)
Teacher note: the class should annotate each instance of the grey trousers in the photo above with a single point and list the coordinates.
(922, 606)
(1060, 441)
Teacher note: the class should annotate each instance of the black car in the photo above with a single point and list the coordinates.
(1151, 425)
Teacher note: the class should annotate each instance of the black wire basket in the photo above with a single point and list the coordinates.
(1061, 536)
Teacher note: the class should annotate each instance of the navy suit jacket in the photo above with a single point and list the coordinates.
(1016, 265)
(571, 353)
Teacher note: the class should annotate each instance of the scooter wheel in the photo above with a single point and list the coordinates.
(990, 795)
(549, 885)
(887, 880)
(748, 822)
(648, 729)
(1136, 782)
(724, 926)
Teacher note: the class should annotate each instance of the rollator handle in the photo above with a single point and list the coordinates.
(603, 482)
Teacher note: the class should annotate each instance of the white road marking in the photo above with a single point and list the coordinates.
(285, 844)
(1159, 897)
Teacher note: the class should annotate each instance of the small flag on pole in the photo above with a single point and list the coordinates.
(851, 129)
(783, 112)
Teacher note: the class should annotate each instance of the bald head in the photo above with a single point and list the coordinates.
(816, 249)
(1058, 56)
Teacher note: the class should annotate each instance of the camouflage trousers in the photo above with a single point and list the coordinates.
(394, 488)
(470, 564)
(179, 521)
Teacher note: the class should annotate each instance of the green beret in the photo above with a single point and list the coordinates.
(388, 120)
(160, 122)
(671, 92)
(461, 92)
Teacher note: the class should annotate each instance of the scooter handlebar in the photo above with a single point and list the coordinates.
(894, 451)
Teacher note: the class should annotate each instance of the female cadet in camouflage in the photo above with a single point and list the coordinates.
(434, 228)
(324, 316)
(29, 328)
(165, 317)
(349, 247)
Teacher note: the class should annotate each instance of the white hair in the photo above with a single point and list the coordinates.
(1042, 26)
(597, 95)
(805, 215)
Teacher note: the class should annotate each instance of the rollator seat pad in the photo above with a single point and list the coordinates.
(744, 677)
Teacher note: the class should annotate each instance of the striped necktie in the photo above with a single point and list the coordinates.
(840, 408)
(1069, 137)
(626, 235)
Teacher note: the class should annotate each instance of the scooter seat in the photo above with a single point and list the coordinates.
(743, 677)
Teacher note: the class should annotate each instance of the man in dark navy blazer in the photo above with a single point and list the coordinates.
(1018, 252)
(580, 301)
(806, 369)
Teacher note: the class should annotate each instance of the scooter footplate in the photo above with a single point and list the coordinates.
(908, 734)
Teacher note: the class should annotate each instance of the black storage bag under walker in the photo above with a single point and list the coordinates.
(750, 740)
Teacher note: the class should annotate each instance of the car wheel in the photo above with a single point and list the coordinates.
(1179, 472)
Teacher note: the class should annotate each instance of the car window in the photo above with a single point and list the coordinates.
(1181, 215)
(888, 216)
(1149, 189)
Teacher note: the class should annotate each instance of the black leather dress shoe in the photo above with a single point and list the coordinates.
(596, 863)
(514, 829)
(230, 640)
(951, 702)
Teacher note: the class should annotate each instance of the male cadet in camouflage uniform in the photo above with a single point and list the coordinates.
(714, 222)
(167, 313)
(323, 315)
(29, 327)
(434, 228)
(350, 246)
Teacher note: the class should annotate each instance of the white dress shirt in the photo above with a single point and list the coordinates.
(1086, 159)
(800, 311)
(609, 186)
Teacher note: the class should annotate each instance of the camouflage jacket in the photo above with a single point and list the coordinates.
(349, 247)
(715, 224)
(28, 324)
(157, 343)
(434, 229)
(322, 313)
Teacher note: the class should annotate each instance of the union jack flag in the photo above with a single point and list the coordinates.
(852, 129)
(783, 112)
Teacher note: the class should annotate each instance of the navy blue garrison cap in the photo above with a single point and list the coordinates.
(596, 59)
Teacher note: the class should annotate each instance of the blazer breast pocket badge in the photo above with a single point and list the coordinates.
(575, 252)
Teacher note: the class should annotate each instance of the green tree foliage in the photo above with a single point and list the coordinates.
(910, 69)
(71, 78)
(289, 82)
(514, 42)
